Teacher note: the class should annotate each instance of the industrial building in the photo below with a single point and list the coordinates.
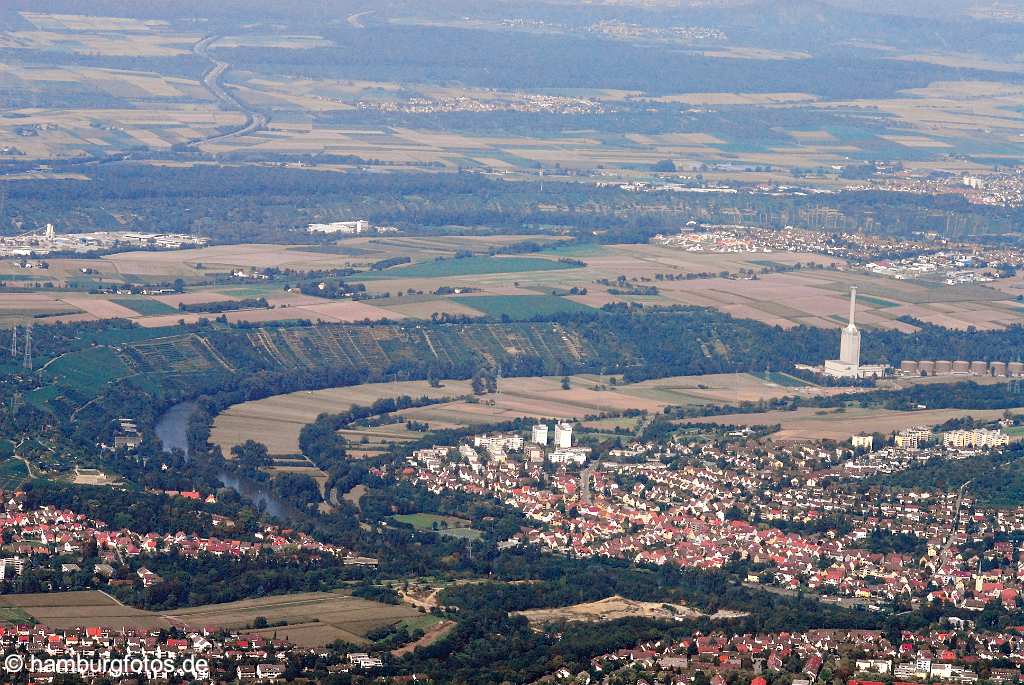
(848, 365)
(961, 367)
(347, 227)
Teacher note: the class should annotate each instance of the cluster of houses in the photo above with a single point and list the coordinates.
(48, 532)
(224, 654)
(935, 258)
(777, 507)
(956, 653)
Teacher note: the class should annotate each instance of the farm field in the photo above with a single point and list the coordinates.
(808, 296)
(146, 306)
(518, 307)
(84, 608)
(314, 618)
(814, 424)
(518, 286)
(276, 421)
(468, 266)
(371, 441)
(140, 97)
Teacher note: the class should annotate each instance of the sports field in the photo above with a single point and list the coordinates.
(451, 526)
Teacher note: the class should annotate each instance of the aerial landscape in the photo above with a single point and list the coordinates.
(630, 342)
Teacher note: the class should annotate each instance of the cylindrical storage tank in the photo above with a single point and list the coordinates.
(1015, 368)
(979, 368)
(943, 367)
(997, 368)
(926, 368)
(908, 367)
(961, 367)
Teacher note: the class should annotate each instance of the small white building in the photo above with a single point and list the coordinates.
(505, 441)
(874, 666)
(569, 455)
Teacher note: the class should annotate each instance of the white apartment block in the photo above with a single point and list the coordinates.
(563, 435)
(569, 455)
(979, 437)
(912, 438)
(539, 434)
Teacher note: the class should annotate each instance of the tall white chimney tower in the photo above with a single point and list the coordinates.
(849, 344)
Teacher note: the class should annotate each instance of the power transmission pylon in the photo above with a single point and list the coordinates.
(28, 347)
(14, 341)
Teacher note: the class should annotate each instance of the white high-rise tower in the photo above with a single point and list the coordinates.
(848, 365)
(849, 344)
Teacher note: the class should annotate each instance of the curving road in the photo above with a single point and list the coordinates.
(213, 81)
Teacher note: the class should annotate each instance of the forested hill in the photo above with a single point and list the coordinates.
(638, 344)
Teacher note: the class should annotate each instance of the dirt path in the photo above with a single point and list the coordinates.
(429, 602)
(430, 637)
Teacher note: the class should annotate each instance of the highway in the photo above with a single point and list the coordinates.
(213, 81)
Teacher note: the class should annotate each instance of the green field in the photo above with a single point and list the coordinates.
(521, 307)
(576, 250)
(145, 306)
(877, 301)
(1015, 430)
(12, 474)
(15, 616)
(421, 622)
(119, 336)
(41, 396)
(783, 379)
(457, 527)
(88, 369)
(468, 266)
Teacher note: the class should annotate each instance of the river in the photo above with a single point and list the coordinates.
(172, 431)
